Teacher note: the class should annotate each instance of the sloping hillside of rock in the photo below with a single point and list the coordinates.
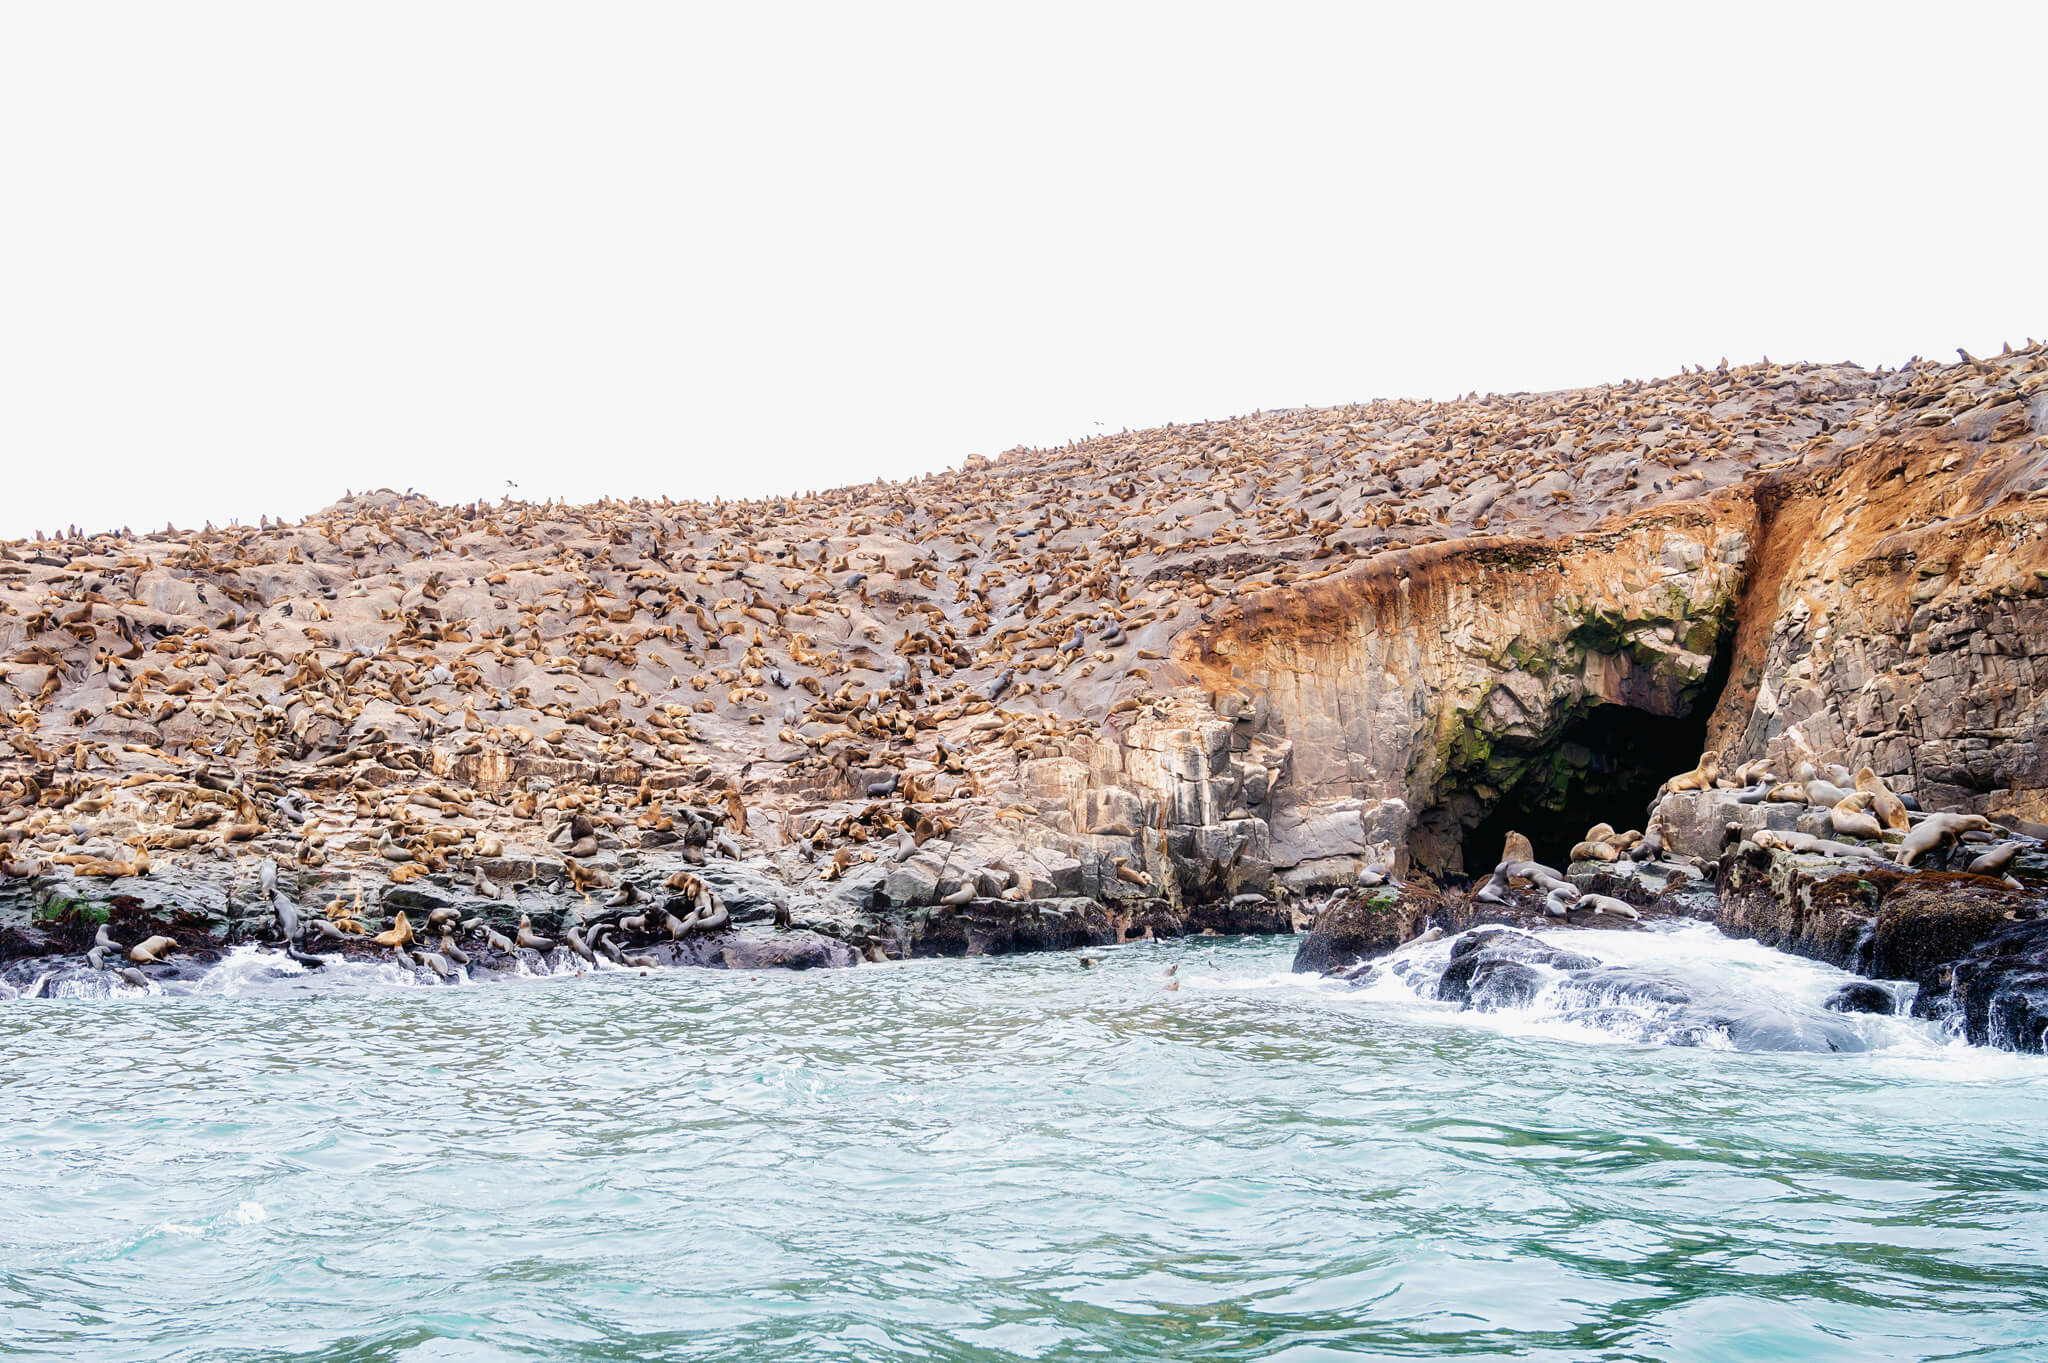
(1154, 682)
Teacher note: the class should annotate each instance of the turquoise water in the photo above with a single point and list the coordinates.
(996, 1159)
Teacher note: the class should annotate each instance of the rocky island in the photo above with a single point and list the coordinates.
(1762, 644)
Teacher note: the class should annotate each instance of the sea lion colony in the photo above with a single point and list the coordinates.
(490, 701)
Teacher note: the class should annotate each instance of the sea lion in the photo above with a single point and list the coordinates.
(150, 950)
(1825, 794)
(1940, 830)
(530, 939)
(1851, 817)
(1593, 851)
(1517, 848)
(1806, 842)
(1889, 808)
(1607, 903)
(397, 935)
(959, 897)
(102, 943)
(1538, 874)
(1701, 777)
(577, 944)
(130, 975)
(1996, 861)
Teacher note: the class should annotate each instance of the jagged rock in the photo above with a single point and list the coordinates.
(1999, 990)
(1492, 968)
(1358, 924)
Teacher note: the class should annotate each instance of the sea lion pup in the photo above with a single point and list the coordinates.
(530, 939)
(397, 935)
(1941, 831)
(1889, 808)
(1701, 777)
(1851, 817)
(102, 943)
(129, 974)
(150, 950)
(497, 941)
(1996, 861)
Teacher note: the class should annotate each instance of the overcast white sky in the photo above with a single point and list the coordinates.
(254, 254)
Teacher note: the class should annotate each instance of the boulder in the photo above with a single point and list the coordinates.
(1358, 924)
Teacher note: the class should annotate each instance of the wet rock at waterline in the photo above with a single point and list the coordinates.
(1513, 974)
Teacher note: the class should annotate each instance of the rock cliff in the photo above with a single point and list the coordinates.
(1156, 682)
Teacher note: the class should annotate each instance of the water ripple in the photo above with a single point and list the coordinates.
(992, 1159)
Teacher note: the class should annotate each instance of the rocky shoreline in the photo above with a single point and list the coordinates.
(1966, 949)
(1189, 679)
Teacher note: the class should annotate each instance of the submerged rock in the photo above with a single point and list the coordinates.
(1863, 996)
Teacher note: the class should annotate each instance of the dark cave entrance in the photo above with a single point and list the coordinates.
(1604, 767)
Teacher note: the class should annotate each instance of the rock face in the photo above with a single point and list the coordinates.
(1975, 949)
(1165, 681)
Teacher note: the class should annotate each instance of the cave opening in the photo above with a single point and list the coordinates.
(1604, 767)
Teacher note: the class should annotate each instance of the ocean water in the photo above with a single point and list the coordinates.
(1014, 1158)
